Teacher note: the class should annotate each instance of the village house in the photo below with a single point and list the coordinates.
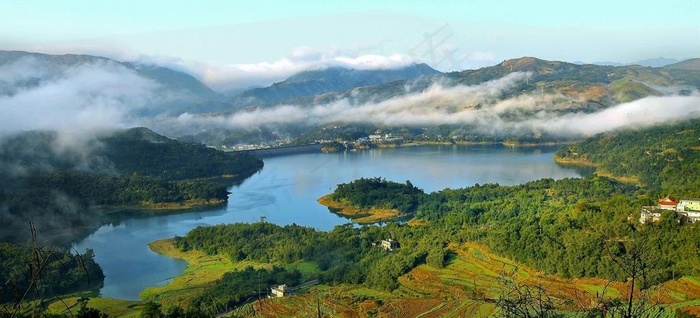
(687, 210)
(389, 245)
(279, 291)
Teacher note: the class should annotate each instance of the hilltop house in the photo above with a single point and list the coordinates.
(687, 210)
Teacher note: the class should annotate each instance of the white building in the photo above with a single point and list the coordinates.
(389, 245)
(279, 291)
(690, 208)
(687, 210)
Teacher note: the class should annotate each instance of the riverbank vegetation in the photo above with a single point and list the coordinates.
(358, 215)
(665, 158)
(53, 190)
(550, 246)
(577, 234)
(365, 193)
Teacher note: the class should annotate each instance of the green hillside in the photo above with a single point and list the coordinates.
(576, 243)
(664, 159)
(67, 190)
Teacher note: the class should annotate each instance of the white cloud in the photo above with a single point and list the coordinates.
(224, 77)
(640, 113)
(86, 97)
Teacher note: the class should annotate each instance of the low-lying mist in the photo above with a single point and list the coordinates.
(482, 106)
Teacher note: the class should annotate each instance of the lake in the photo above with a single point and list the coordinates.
(286, 190)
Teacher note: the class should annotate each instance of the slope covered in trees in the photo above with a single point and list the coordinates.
(665, 158)
(571, 227)
(140, 150)
(58, 183)
(344, 255)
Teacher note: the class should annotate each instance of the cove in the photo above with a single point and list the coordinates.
(287, 188)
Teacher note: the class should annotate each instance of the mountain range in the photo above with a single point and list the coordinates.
(301, 86)
(574, 88)
(597, 84)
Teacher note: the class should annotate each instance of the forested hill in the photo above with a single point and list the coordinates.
(140, 150)
(58, 182)
(308, 85)
(664, 159)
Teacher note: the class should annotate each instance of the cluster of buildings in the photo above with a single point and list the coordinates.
(377, 137)
(686, 210)
(261, 145)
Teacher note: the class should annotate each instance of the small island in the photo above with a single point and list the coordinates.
(372, 200)
(359, 215)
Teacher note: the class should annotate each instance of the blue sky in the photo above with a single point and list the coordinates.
(249, 41)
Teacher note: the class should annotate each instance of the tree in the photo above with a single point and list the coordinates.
(151, 310)
(436, 257)
(635, 258)
(518, 300)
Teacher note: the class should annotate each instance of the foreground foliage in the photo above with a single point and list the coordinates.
(36, 274)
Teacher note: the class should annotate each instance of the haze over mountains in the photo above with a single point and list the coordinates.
(525, 96)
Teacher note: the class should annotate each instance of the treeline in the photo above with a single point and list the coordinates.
(136, 150)
(379, 193)
(40, 273)
(439, 133)
(131, 189)
(665, 158)
(65, 200)
(344, 255)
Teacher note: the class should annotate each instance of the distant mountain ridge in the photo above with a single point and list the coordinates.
(317, 82)
(651, 62)
(574, 89)
(691, 64)
(188, 90)
(598, 86)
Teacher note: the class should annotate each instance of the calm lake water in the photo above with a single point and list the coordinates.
(285, 192)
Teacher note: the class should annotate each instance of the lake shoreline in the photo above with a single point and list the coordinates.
(359, 215)
(509, 144)
(287, 190)
(598, 171)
